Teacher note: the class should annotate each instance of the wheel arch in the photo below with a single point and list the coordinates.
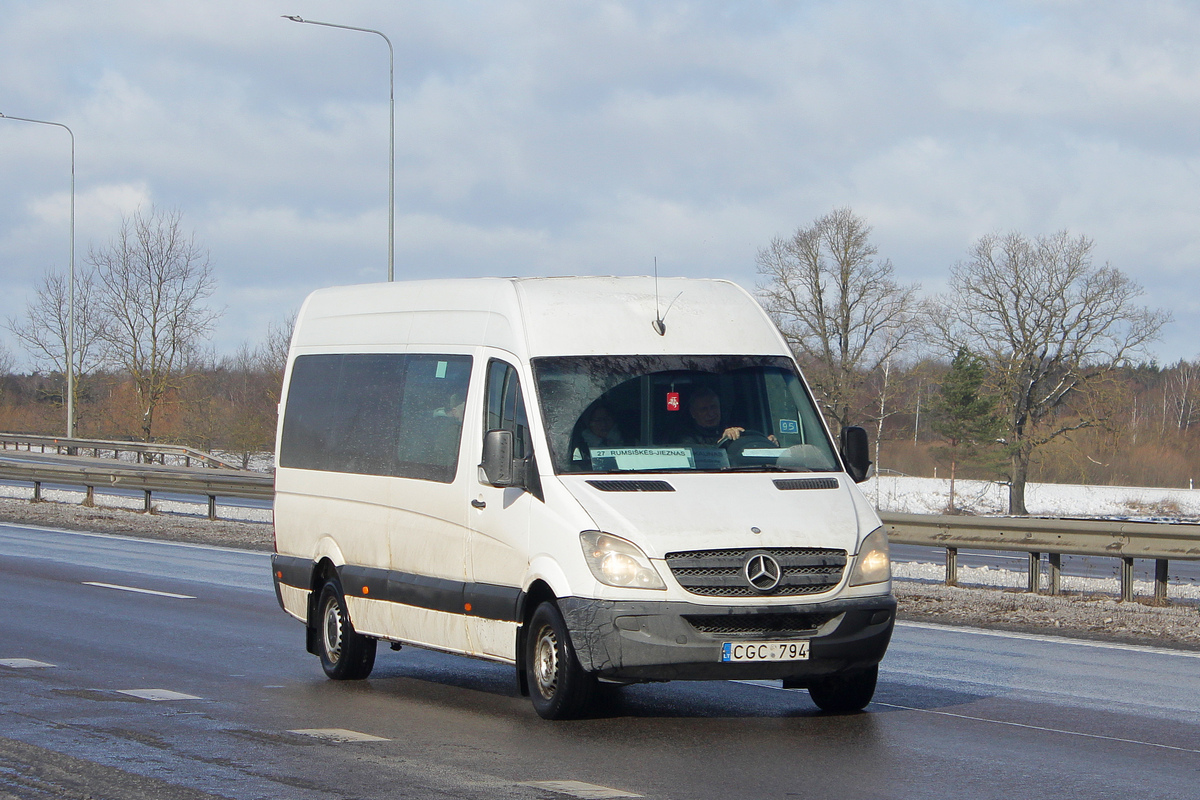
(323, 570)
(538, 592)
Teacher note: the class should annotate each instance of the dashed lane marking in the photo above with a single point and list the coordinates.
(586, 791)
(157, 694)
(139, 591)
(339, 735)
(22, 663)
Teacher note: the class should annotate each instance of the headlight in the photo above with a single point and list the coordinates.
(616, 562)
(873, 564)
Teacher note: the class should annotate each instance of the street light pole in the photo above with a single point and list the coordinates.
(70, 282)
(391, 131)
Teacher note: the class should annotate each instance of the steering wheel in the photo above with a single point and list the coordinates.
(748, 440)
(753, 440)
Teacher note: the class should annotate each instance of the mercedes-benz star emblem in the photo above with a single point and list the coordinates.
(762, 572)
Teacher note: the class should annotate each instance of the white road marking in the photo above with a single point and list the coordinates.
(138, 591)
(339, 735)
(586, 791)
(778, 686)
(1040, 728)
(22, 663)
(1038, 637)
(767, 684)
(157, 694)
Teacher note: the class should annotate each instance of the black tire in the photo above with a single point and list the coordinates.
(845, 693)
(345, 654)
(558, 685)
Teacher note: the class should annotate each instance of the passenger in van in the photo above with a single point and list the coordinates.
(442, 432)
(601, 430)
(704, 411)
(454, 408)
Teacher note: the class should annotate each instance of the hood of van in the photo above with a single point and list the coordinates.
(671, 512)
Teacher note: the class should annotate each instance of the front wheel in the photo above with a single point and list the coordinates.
(558, 685)
(845, 693)
(345, 654)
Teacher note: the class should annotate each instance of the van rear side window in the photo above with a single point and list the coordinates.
(391, 414)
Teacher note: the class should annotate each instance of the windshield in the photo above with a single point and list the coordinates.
(607, 414)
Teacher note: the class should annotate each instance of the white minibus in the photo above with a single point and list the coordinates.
(594, 479)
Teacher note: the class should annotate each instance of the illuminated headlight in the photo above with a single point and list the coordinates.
(616, 562)
(873, 564)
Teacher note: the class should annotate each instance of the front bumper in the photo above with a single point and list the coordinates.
(657, 641)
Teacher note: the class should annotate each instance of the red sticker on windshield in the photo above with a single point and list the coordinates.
(672, 401)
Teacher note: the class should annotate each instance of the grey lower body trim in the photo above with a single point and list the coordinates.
(437, 594)
(655, 641)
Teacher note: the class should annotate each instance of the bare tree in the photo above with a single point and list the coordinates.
(1183, 389)
(273, 353)
(6, 360)
(838, 307)
(155, 281)
(44, 329)
(1050, 326)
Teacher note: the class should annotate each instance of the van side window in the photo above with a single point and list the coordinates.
(431, 416)
(376, 414)
(506, 406)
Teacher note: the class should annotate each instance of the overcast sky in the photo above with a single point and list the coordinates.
(555, 137)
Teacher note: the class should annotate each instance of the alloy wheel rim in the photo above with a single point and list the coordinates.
(545, 662)
(333, 630)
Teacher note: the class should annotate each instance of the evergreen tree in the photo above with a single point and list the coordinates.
(964, 415)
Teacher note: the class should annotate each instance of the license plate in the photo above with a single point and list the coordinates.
(765, 651)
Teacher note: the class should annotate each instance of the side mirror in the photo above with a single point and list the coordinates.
(856, 453)
(497, 463)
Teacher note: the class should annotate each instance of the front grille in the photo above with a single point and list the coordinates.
(721, 573)
(758, 624)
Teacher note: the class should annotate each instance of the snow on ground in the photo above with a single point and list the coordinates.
(904, 494)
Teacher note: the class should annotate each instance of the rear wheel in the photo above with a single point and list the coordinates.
(845, 693)
(558, 685)
(345, 654)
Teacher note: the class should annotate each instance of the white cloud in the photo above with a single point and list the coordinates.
(541, 137)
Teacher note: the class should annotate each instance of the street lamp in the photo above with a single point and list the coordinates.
(70, 282)
(391, 131)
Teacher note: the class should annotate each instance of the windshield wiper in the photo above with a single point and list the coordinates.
(760, 468)
(638, 471)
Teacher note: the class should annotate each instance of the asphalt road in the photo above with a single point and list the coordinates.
(958, 714)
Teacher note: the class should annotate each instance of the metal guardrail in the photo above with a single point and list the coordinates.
(98, 446)
(1121, 539)
(1125, 540)
(90, 473)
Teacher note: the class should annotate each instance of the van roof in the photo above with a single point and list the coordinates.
(533, 317)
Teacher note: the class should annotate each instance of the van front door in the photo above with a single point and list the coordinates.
(497, 551)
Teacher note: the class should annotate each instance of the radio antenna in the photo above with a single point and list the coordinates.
(659, 326)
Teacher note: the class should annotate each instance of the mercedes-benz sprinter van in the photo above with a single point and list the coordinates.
(595, 479)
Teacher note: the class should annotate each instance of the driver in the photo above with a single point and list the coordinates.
(704, 408)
